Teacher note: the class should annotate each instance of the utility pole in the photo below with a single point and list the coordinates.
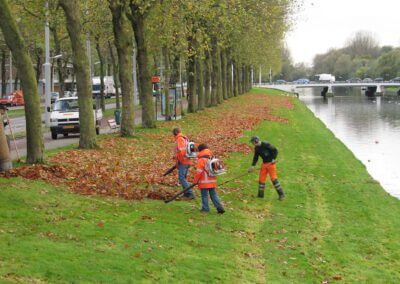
(47, 69)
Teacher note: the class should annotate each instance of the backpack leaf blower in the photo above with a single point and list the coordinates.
(169, 171)
(180, 193)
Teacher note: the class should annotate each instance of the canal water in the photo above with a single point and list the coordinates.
(369, 127)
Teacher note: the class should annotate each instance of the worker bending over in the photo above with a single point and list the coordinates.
(268, 153)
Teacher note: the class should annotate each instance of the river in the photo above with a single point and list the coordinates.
(369, 127)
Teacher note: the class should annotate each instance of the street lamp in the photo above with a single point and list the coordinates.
(47, 69)
(52, 71)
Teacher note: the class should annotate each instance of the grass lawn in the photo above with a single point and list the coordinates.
(19, 112)
(336, 224)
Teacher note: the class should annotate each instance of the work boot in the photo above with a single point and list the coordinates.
(261, 188)
(279, 190)
(281, 195)
(221, 211)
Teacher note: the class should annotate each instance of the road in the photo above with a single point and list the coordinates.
(50, 144)
(19, 123)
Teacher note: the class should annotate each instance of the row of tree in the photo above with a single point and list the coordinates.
(361, 57)
(219, 43)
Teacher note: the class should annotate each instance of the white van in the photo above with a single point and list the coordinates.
(109, 88)
(64, 118)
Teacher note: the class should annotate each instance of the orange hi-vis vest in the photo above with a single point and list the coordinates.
(202, 177)
(180, 149)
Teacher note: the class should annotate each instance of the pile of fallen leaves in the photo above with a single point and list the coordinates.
(132, 168)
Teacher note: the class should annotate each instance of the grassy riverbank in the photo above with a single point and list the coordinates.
(336, 223)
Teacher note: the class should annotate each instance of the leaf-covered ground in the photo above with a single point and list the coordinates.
(132, 168)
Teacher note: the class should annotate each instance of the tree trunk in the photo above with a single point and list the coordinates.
(115, 76)
(220, 95)
(214, 73)
(248, 81)
(207, 79)
(182, 87)
(146, 93)
(73, 16)
(123, 42)
(241, 79)
(167, 76)
(235, 79)
(200, 82)
(229, 76)
(174, 80)
(244, 78)
(3, 73)
(39, 55)
(5, 158)
(24, 65)
(191, 70)
(223, 75)
(101, 59)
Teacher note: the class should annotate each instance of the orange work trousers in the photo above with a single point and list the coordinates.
(268, 169)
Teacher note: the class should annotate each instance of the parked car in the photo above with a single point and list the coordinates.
(16, 98)
(64, 118)
(280, 82)
(54, 96)
(396, 80)
(378, 80)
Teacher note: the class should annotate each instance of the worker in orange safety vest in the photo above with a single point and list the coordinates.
(206, 182)
(182, 162)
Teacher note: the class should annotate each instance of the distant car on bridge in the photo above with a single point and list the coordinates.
(378, 80)
(279, 82)
(354, 80)
(368, 80)
(396, 80)
(301, 81)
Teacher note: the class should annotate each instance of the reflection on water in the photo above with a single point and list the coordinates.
(369, 127)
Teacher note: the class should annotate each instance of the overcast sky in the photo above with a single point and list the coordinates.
(323, 24)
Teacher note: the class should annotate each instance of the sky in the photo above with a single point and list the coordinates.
(324, 24)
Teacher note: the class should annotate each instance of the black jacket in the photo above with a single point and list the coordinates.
(266, 151)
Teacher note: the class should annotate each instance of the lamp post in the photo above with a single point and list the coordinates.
(52, 71)
(47, 69)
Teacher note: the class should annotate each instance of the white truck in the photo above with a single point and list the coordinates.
(64, 118)
(109, 88)
(325, 78)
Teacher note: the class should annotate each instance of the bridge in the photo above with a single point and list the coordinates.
(371, 89)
